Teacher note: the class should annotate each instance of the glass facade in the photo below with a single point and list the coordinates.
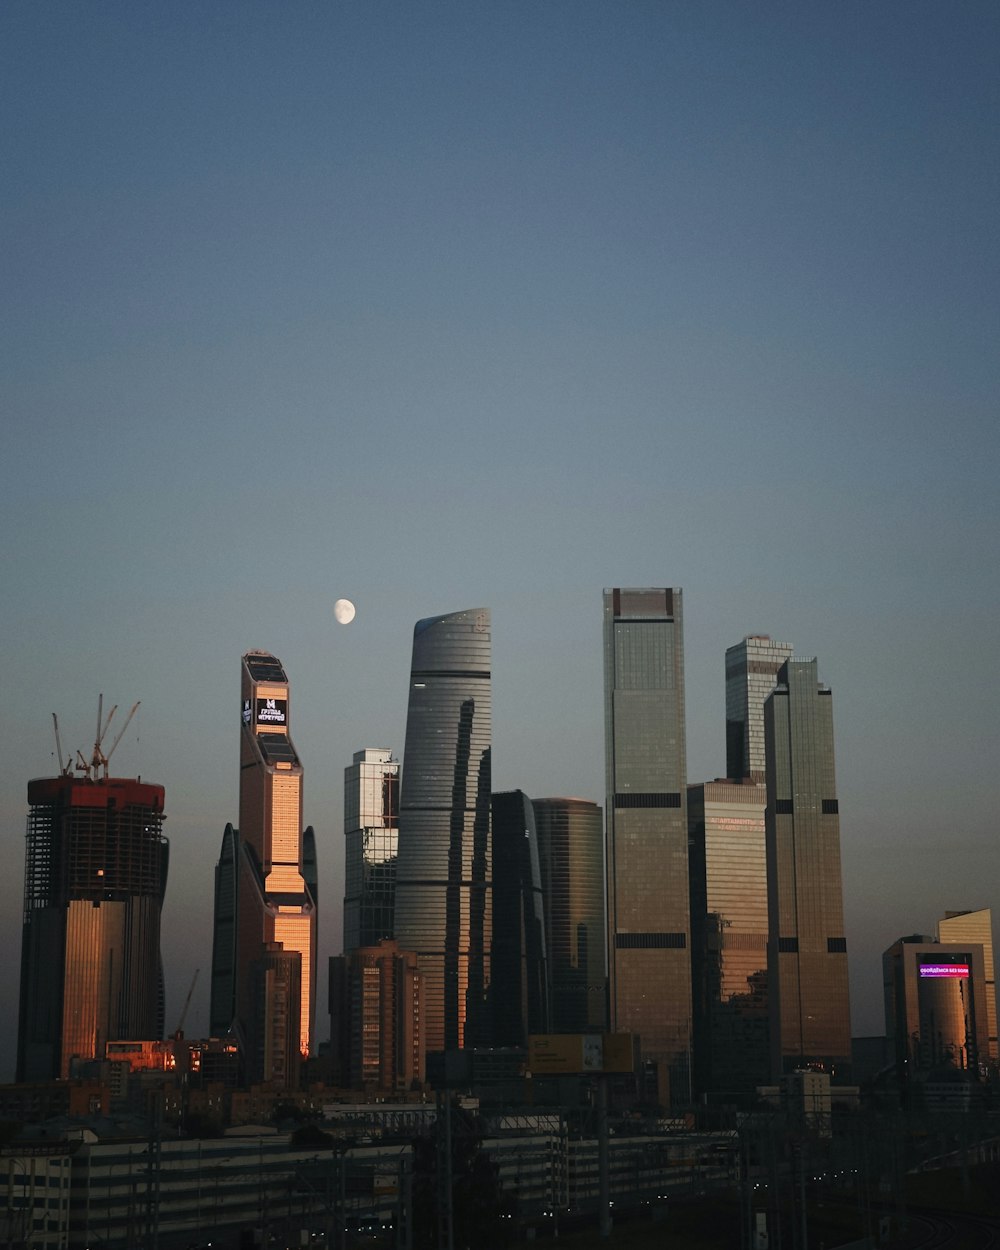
(807, 964)
(95, 876)
(265, 902)
(935, 1017)
(571, 857)
(371, 817)
(520, 991)
(647, 839)
(751, 674)
(728, 870)
(976, 926)
(444, 860)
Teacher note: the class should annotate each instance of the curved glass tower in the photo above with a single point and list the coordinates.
(444, 864)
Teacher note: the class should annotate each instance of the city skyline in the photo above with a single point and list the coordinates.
(502, 307)
(869, 976)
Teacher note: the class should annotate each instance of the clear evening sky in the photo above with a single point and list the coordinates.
(440, 305)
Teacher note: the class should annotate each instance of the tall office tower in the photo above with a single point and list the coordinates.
(571, 857)
(519, 987)
(371, 817)
(95, 874)
(751, 674)
(376, 1022)
(444, 863)
(807, 960)
(265, 887)
(935, 1022)
(976, 926)
(646, 817)
(728, 869)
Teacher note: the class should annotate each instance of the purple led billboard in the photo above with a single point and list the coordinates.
(945, 970)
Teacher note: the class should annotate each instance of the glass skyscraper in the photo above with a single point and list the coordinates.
(444, 860)
(647, 836)
(751, 673)
(264, 947)
(371, 818)
(571, 856)
(519, 989)
(729, 936)
(807, 965)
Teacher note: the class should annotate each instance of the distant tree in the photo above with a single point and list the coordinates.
(311, 1135)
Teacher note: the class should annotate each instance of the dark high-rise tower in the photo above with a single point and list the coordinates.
(646, 816)
(571, 856)
(264, 952)
(807, 964)
(444, 864)
(520, 991)
(371, 818)
(96, 870)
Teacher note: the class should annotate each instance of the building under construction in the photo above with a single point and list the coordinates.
(95, 874)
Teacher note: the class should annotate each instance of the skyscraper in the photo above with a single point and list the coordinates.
(519, 988)
(646, 819)
(571, 857)
(751, 673)
(977, 926)
(95, 875)
(265, 899)
(729, 936)
(371, 818)
(444, 863)
(807, 964)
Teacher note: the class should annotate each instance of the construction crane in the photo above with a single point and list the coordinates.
(98, 760)
(63, 768)
(179, 1031)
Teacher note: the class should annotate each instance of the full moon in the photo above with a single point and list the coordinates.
(343, 610)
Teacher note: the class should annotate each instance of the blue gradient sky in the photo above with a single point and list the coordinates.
(443, 305)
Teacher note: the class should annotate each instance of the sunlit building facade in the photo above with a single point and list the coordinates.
(977, 926)
(95, 875)
(444, 861)
(376, 1018)
(647, 838)
(371, 820)
(265, 891)
(807, 966)
(935, 1010)
(728, 872)
(751, 674)
(519, 994)
(571, 857)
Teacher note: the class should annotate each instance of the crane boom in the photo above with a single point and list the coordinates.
(59, 758)
(121, 731)
(179, 1031)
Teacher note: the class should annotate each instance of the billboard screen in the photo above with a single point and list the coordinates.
(272, 711)
(945, 970)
